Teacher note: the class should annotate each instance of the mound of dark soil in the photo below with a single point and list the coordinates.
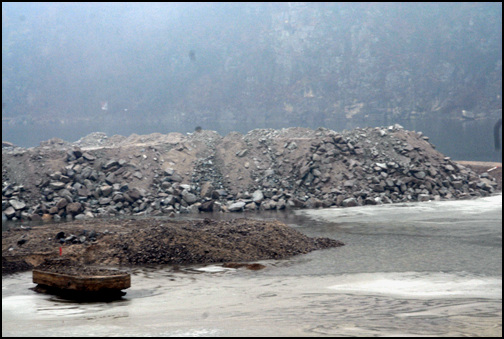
(155, 241)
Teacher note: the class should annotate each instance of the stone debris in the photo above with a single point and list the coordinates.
(266, 169)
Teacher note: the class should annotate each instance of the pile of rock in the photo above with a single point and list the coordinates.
(80, 189)
(11, 205)
(263, 170)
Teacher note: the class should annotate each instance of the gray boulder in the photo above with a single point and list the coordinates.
(237, 206)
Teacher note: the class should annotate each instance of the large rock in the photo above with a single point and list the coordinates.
(134, 193)
(350, 202)
(62, 203)
(237, 206)
(74, 208)
(206, 189)
(297, 203)
(106, 190)
(349, 183)
(257, 196)
(104, 201)
(10, 212)
(18, 205)
(169, 200)
(188, 197)
(83, 192)
(207, 206)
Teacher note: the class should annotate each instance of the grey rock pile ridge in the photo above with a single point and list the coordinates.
(266, 169)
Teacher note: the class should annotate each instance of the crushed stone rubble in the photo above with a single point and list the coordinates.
(266, 169)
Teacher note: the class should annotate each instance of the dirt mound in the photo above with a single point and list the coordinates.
(155, 241)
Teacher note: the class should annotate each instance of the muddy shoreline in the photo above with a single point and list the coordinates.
(127, 243)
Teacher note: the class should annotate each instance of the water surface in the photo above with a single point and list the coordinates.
(426, 269)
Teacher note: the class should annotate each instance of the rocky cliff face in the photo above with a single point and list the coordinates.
(337, 61)
(203, 171)
(270, 64)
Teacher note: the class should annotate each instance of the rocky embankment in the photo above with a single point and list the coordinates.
(267, 169)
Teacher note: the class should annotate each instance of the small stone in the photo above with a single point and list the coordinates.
(57, 185)
(449, 168)
(419, 175)
(110, 164)
(88, 156)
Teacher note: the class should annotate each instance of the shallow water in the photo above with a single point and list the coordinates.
(426, 269)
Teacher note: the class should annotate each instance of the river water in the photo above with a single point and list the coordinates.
(414, 269)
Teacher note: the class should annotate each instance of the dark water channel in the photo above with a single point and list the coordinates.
(427, 269)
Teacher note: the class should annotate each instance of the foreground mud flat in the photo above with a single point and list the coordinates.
(266, 169)
(154, 241)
